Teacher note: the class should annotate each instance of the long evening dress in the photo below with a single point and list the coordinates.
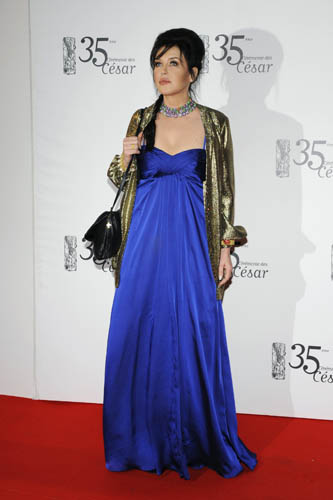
(168, 392)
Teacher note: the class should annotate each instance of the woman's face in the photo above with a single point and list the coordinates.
(171, 74)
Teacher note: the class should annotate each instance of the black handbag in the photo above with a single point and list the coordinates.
(105, 232)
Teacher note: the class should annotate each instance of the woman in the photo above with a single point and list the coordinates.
(168, 394)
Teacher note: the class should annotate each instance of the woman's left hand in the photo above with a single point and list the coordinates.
(225, 266)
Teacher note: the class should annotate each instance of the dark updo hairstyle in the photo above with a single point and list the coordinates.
(192, 47)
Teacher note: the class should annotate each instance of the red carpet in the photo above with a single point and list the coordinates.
(54, 450)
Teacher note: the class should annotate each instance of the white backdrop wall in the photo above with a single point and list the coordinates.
(16, 204)
(276, 90)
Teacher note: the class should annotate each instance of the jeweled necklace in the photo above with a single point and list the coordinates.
(181, 111)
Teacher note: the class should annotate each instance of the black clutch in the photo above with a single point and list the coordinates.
(105, 232)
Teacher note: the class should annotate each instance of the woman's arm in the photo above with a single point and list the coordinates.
(231, 235)
(116, 168)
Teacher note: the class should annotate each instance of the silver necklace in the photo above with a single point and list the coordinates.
(181, 111)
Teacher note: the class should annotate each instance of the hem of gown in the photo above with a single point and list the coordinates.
(183, 475)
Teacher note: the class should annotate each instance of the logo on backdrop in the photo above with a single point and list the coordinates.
(310, 153)
(314, 361)
(247, 269)
(231, 51)
(105, 265)
(99, 53)
(70, 254)
(95, 52)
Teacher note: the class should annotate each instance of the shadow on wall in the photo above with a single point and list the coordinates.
(269, 203)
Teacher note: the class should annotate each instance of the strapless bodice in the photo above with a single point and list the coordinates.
(190, 163)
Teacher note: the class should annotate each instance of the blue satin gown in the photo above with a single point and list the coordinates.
(168, 392)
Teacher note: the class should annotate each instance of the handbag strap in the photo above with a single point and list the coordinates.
(123, 179)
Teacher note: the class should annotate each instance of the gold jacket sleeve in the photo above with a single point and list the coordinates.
(116, 168)
(230, 232)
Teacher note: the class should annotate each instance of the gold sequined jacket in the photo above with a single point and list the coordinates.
(218, 187)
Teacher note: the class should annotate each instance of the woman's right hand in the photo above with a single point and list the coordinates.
(131, 146)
